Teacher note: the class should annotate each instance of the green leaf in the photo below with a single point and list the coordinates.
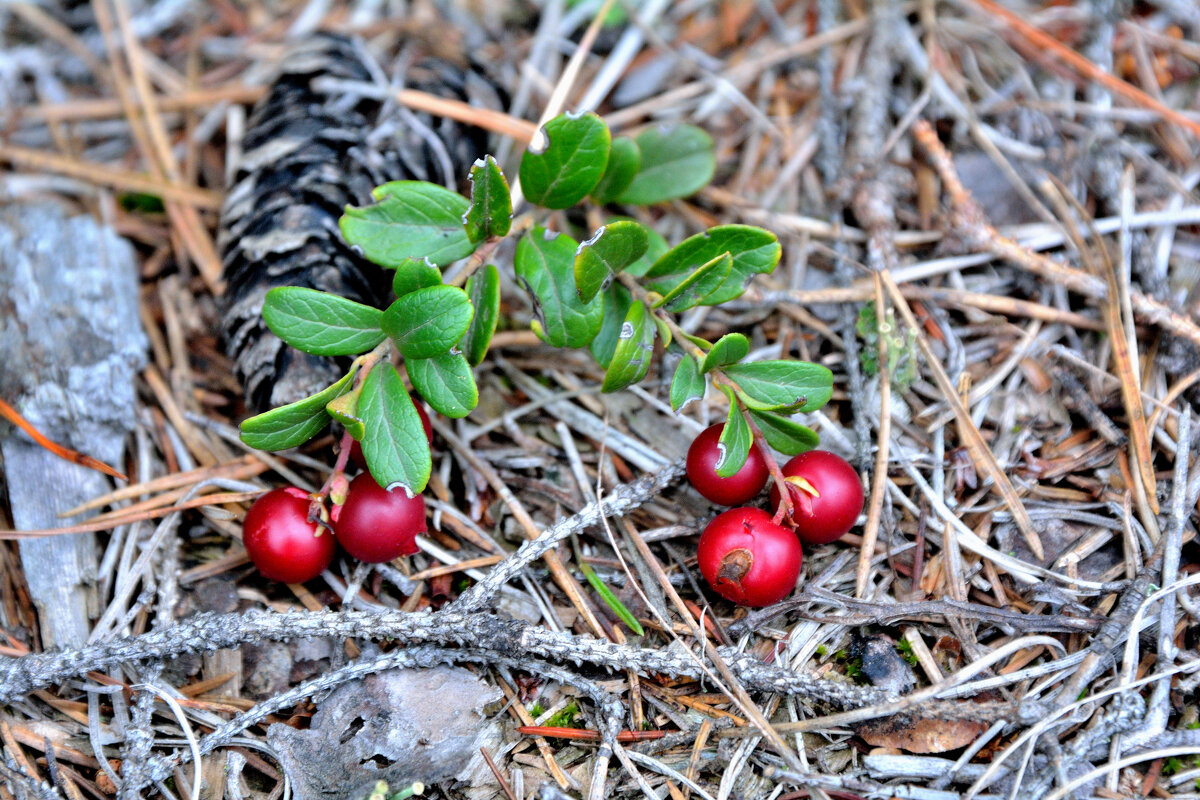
(693, 289)
(321, 323)
(571, 164)
(429, 321)
(344, 409)
(141, 202)
(413, 274)
(412, 219)
(611, 249)
(617, 15)
(677, 161)
(610, 599)
(784, 434)
(446, 382)
(624, 158)
(545, 264)
(735, 441)
(615, 303)
(782, 385)
(484, 290)
(656, 247)
(729, 349)
(753, 251)
(294, 424)
(395, 447)
(491, 209)
(688, 383)
(635, 348)
(664, 331)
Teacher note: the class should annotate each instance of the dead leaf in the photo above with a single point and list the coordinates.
(921, 735)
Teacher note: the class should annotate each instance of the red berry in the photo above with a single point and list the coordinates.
(375, 525)
(702, 459)
(281, 541)
(828, 506)
(747, 558)
(356, 453)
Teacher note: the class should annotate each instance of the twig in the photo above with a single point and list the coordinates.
(1048, 44)
(978, 447)
(620, 501)
(971, 224)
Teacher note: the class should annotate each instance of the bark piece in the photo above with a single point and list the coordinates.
(400, 726)
(71, 342)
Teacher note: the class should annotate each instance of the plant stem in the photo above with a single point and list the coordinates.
(367, 361)
(641, 295)
(404, 794)
(363, 364)
(785, 494)
(485, 250)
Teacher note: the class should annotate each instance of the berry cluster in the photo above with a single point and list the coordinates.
(745, 554)
(372, 524)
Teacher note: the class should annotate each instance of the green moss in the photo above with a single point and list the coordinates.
(566, 717)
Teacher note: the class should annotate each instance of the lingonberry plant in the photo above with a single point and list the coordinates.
(615, 293)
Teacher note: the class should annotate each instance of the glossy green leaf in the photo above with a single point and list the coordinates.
(699, 341)
(294, 424)
(570, 165)
(613, 248)
(545, 264)
(484, 290)
(491, 209)
(624, 158)
(429, 321)
(735, 441)
(754, 251)
(412, 219)
(677, 161)
(413, 274)
(395, 447)
(656, 247)
(687, 384)
(782, 385)
(344, 409)
(615, 301)
(785, 434)
(445, 382)
(693, 289)
(610, 599)
(729, 349)
(321, 323)
(634, 351)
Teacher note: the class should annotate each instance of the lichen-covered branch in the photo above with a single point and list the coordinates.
(608, 706)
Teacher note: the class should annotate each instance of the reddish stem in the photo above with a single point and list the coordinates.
(785, 495)
(339, 468)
